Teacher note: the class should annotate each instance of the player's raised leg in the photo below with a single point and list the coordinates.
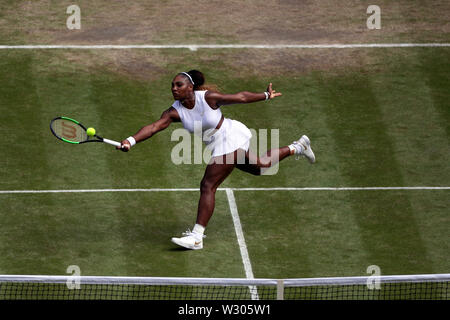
(254, 164)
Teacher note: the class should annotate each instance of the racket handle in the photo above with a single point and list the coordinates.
(112, 142)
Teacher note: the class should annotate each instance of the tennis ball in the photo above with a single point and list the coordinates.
(90, 132)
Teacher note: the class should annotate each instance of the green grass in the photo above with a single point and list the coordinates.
(342, 233)
(385, 123)
(112, 233)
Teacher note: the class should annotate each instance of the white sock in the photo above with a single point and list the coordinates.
(199, 229)
(292, 148)
(296, 148)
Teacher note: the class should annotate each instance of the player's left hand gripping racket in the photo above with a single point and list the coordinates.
(71, 131)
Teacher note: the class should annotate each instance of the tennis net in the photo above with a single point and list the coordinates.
(404, 287)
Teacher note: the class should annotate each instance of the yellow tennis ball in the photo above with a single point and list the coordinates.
(90, 132)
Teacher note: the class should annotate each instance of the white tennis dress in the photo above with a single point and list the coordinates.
(202, 120)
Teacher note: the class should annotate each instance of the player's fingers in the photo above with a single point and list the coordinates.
(275, 94)
(125, 146)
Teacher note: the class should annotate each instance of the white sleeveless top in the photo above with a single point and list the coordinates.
(231, 135)
(201, 113)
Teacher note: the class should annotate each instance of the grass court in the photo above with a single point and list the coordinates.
(376, 117)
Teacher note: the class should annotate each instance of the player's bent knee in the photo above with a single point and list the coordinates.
(206, 186)
(264, 163)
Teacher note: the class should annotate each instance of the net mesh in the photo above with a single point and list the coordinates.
(387, 291)
(59, 291)
(24, 288)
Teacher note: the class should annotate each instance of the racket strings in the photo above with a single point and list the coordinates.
(69, 131)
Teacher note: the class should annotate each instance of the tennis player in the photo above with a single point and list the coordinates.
(228, 140)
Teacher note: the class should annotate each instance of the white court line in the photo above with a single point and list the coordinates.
(241, 241)
(194, 47)
(340, 188)
(97, 190)
(224, 189)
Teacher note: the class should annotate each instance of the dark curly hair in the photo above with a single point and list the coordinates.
(199, 81)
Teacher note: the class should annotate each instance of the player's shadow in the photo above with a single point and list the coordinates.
(178, 249)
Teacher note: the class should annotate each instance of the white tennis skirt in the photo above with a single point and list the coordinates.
(232, 135)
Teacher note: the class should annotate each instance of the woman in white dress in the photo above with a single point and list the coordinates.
(227, 139)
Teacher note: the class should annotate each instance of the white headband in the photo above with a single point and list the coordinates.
(187, 74)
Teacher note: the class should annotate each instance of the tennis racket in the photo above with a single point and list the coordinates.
(71, 131)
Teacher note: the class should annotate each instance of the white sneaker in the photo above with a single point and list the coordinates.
(303, 148)
(190, 240)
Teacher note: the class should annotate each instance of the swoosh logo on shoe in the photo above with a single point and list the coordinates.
(197, 243)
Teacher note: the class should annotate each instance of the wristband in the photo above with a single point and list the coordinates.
(131, 140)
(267, 95)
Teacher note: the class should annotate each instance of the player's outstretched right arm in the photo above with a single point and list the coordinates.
(168, 116)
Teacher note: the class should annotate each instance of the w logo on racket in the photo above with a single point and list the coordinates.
(68, 131)
(71, 131)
